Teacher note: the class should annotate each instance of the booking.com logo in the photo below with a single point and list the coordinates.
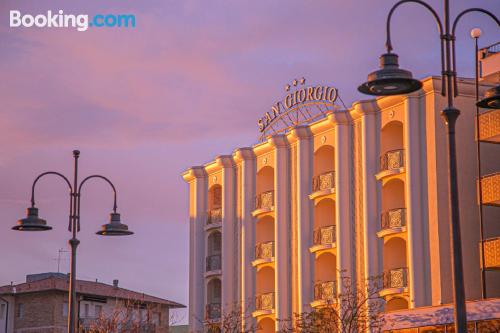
(60, 20)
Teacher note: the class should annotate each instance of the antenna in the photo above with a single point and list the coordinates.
(59, 258)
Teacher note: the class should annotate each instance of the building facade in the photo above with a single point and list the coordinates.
(359, 192)
(41, 306)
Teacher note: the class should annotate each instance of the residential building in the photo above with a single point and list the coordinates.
(41, 305)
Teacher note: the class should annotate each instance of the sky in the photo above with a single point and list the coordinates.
(143, 104)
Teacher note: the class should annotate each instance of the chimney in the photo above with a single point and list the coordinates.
(115, 283)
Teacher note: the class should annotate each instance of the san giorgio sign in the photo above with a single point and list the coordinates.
(302, 104)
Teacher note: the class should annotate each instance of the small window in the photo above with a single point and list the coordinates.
(2, 310)
(87, 310)
(98, 311)
(20, 310)
(65, 309)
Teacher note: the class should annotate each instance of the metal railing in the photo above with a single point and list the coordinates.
(396, 278)
(264, 250)
(213, 263)
(214, 216)
(393, 159)
(492, 252)
(490, 188)
(324, 181)
(213, 311)
(324, 235)
(325, 291)
(489, 124)
(393, 218)
(264, 200)
(492, 49)
(264, 301)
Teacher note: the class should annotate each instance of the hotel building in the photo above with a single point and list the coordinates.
(362, 190)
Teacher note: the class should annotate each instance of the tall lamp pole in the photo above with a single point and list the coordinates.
(391, 80)
(475, 34)
(34, 223)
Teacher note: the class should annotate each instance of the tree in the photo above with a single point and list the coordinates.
(234, 320)
(357, 308)
(128, 316)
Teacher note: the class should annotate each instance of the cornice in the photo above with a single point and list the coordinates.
(243, 154)
(195, 172)
(278, 141)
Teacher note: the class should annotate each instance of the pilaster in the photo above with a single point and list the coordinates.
(196, 177)
(305, 222)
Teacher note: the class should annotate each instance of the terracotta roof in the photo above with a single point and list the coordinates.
(86, 288)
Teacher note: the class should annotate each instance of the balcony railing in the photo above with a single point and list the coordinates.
(264, 200)
(264, 250)
(392, 160)
(491, 189)
(394, 218)
(214, 216)
(492, 253)
(325, 291)
(489, 126)
(324, 235)
(324, 181)
(264, 302)
(213, 311)
(396, 278)
(213, 263)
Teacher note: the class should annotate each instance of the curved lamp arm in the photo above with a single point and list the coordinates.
(388, 43)
(67, 182)
(80, 189)
(44, 174)
(457, 19)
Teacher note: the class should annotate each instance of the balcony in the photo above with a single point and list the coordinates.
(264, 203)
(392, 222)
(264, 254)
(213, 311)
(489, 126)
(325, 293)
(264, 304)
(323, 238)
(394, 281)
(214, 218)
(490, 185)
(392, 163)
(492, 253)
(213, 265)
(323, 184)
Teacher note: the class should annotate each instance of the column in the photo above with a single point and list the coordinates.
(229, 231)
(246, 157)
(196, 177)
(305, 259)
(343, 181)
(282, 227)
(415, 214)
(371, 201)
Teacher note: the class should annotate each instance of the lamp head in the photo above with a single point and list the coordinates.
(114, 227)
(491, 99)
(475, 33)
(389, 79)
(32, 222)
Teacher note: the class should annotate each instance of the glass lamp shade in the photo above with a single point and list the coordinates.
(114, 227)
(491, 99)
(390, 79)
(32, 222)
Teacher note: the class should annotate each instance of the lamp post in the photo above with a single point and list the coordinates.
(391, 80)
(34, 223)
(475, 34)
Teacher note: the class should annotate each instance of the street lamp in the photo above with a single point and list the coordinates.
(34, 223)
(401, 82)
